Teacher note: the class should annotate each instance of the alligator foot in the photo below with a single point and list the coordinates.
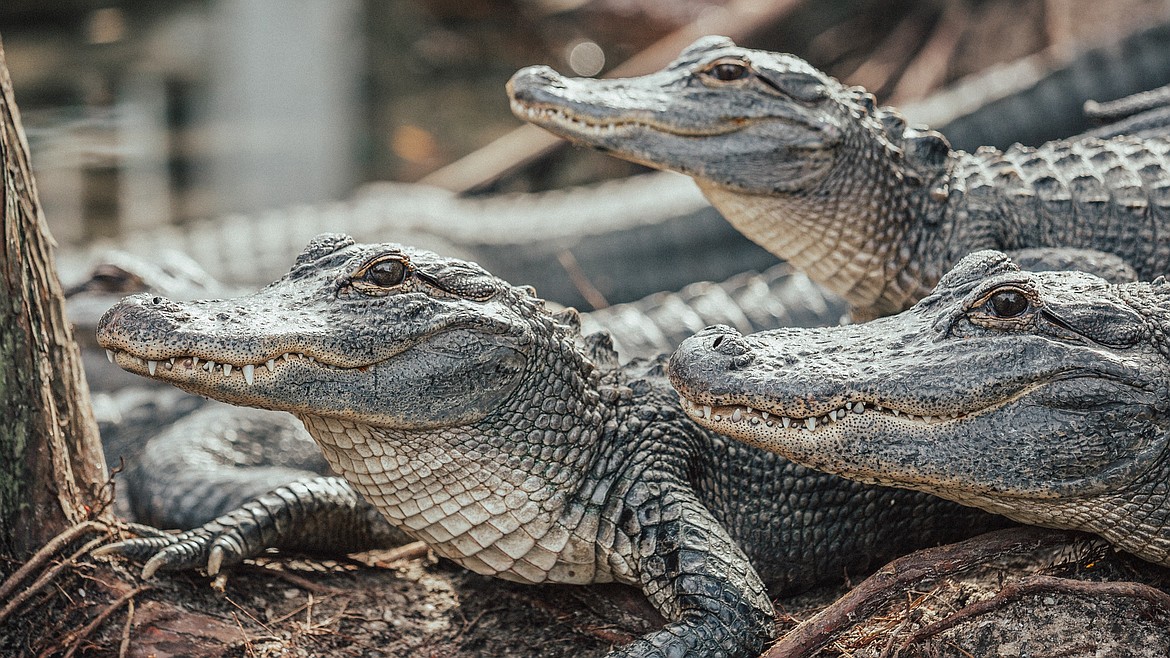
(911, 572)
(1038, 584)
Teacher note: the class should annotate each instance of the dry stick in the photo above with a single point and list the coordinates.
(48, 550)
(892, 55)
(1017, 589)
(927, 71)
(581, 280)
(891, 580)
(124, 647)
(105, 614)
(408, 552)
(481, 168)
(46, 578)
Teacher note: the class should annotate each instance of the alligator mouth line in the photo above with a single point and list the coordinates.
(750, 416)
(548, 115)
(191, 364)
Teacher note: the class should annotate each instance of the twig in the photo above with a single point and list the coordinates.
(1017, 589)
(48, 550)
(581, 280)
(896, 577)
(410, 551)
(46, 578)
(124, 647)
(101, 618)
(928, 69)
(304, 583)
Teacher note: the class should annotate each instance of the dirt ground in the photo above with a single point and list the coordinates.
(394, 604)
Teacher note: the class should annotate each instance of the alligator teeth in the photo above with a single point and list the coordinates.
(927, 419)
(858, 407)
(736, 415)
(706, 411)
(895, 412)
(764, 415)
(716, 417)
(755, 420)
(209, 366)
(249, 373)
(810, 423)
(227, 369)
(110, 355)
(152, 366)
(786, 422)
(271, 363)
(194, 361)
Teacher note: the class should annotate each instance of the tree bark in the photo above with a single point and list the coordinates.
(51, 464)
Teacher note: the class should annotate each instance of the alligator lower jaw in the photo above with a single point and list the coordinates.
(190, 368)
(565, 123)
(726, 418)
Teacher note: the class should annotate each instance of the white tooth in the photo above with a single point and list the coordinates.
(810, 423)
(895, 412)
(786, 422)
(271, 364)
(194, 361)
(706, 411)
(764, 415)
(152, 366)
(110, 355)
(249, 371)
(858, 407)
(833, 415)
(749, 410)
(755, 420)
(770, 424)
(311, 359)
(716, 418)
(227, 369)
(737, 415)
(209, 367)
(927, 419)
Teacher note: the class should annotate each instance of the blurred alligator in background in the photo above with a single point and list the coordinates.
(631, 238)
(846, 191)
(1044, 397)
(479, 422)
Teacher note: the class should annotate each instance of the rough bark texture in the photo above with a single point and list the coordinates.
(51, 464)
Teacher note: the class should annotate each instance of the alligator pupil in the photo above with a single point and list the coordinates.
(387, 273)
(727, 72)
(1009, 303)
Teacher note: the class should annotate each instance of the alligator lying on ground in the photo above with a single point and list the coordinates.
(477, 421)
(1039, 396)
(872, 209)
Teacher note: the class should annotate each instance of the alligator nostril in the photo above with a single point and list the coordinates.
(718, 341)
(156, 301)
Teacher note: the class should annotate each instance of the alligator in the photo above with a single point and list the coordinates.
(478, 421)
(868, 206)
(1043, 397)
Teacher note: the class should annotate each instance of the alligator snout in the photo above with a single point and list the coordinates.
(152, 313)
(526, 83)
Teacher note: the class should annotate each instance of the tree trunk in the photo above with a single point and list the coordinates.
(51, 464)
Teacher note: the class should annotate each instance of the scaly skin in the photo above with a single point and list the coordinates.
(477, 421)
(872, 209)
(1039, 396)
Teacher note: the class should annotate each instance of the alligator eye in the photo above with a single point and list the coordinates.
(386, 273)
(1008, 303)
(728, 71)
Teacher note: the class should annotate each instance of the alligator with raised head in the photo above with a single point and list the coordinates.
(1040, 396)
(871, 208)
(477, 421)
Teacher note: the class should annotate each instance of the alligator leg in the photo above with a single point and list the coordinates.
(322, 515)
(697, 577)
(1110, 267)
(240, 481)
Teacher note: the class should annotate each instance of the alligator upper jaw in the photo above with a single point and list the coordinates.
(191, 370)
(736, 419)
(588, 129)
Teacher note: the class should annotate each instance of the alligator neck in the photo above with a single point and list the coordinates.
(849, 234)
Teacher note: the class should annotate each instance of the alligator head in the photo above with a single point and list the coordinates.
(423, 379)
(806, 167)
(1040, 396)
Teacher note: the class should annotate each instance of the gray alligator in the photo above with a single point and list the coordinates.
(477, 421)
(871, 208)
(1040, 396)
